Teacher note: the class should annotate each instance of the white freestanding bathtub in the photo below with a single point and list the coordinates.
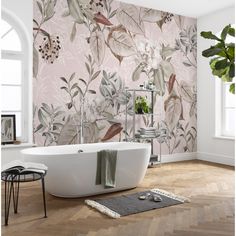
(72, 174)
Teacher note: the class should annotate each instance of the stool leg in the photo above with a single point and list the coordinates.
(44, 201)
(8, 190)
(16, 194)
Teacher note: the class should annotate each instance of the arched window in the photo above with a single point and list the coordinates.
(15, 74)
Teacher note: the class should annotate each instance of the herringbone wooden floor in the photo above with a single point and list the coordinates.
(210, 213)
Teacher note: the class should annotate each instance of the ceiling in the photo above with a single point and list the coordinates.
(189, 8)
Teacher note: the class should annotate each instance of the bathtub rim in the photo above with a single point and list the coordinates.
(32, 151)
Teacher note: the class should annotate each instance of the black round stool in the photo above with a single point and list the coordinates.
(12, 179)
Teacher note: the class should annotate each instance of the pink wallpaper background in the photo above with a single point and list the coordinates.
(91, 50)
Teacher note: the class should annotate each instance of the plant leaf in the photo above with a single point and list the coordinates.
(49, 11)
(166, 51)
(225, 32)
(79, 89)
(159, 81)
(212, 51)
(83, 81)
(112, 131)
(192, 109)
(221, 64)
(63, 79)
(121, 43)
(46, 108)
(97, 46)
(160, 23)
(75, 11)
(182, 110)
(150, 15)
(39, 127)
(232, 88)
(95, 75)
(72, 76)
(177, 144)
(171, 82)
(87, 67)
(137, 72)
(179, 20)
(37, 24)
(73, 32)
(232, 71)
(40, 7)
(167, 68)
(231, 32)
(69, 132)
(75, 85)
(100, 18)
(65, 88)
(186, 64)
(42, 118)
(172, 108)
(75, 93)
(128, 16)
(65, 13)
(69, 105)
(185, 90)
(209, 35)
(35, 62)
(91, 91)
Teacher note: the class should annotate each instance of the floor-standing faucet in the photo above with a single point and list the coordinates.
(81, 120)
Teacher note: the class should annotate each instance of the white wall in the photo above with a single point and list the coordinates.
(23, 10)
(210, 148)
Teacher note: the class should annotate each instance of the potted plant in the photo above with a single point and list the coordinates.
(141, 105)
(222, 53)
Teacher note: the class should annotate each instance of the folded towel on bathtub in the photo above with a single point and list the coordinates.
(106, 168)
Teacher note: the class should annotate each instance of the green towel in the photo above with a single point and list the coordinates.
(106, 168)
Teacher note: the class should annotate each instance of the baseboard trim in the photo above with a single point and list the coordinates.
(175, 157)
(216, 158)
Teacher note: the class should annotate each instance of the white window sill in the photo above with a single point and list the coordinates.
(224, 137)
(21, 145)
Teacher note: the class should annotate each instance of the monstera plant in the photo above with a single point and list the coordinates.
(222, 53)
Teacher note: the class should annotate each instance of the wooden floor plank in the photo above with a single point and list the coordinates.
(210, 188)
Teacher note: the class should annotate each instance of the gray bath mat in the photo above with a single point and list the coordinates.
(124, 205)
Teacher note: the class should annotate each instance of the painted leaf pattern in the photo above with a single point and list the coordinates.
(69, 133)
(35, 62)
(121, 43)
(100, 18)
(172, 111)
(97, 46)
(137, 72)
(171, 82)
(128, 16)
(112, 131)
(107, 47)
(185, 91)
(167, 69)
(179, 20)
(150, 15)
(159, 81)
(75, 11)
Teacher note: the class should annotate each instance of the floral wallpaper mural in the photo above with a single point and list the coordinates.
(87, 52)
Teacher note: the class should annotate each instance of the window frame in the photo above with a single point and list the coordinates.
(18, 56)
(224, 132)
(220, 107)
(25, 56)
